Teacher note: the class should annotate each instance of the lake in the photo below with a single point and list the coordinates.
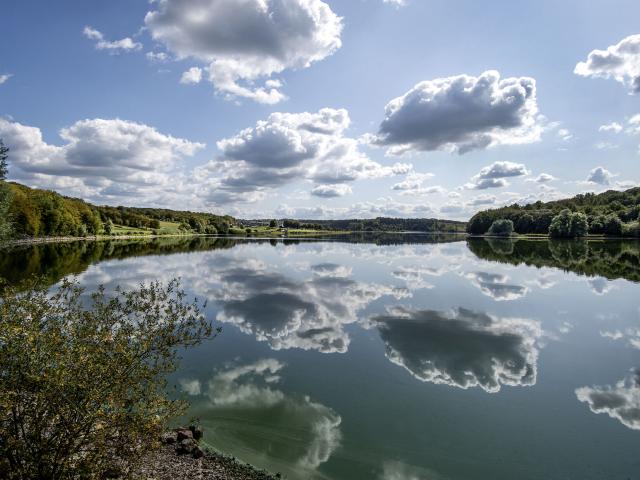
(399, 357)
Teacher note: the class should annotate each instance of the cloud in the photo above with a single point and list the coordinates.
(292, 146)
(600, 285)
(190, 386)
(613, 127)
(191, 76)
(396, 3)
(99, 159)
(247, 404)
(600, 176)
(331, 270)
(620, 62)
(495, 285)
(290, 313)
(606, 146)
(330, 191)
(396, 470)
(564, 134)
(115, 47)
(482, 200)
(159, 57)
(493, 176)
(461, 348)
(634, 125)
(5, 77)
(461, 114)
(621, 401)
(413, 185)
(240, 42)
(382, 207)
(542, 178)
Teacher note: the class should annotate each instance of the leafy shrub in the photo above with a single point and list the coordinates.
(568, 224)
(82, 383)
(501, 228)
(631, 229)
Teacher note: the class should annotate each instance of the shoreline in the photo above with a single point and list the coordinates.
(547, 237)
(99, 238)
(180, 455)
(165, 464)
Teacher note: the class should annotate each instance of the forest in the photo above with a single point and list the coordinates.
(380, 224)
(609, 213)
(43, 213)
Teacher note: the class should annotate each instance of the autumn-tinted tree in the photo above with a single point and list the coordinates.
(83, 383)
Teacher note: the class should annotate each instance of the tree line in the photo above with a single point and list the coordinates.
(31, 212)
(608, 213)
(380, 224)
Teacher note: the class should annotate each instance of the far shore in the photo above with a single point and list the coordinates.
(300, 234)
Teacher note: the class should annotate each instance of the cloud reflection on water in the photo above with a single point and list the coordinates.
(249, 412)
(620, 401)
(462, 348)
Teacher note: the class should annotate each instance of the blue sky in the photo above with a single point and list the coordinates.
(264, 108)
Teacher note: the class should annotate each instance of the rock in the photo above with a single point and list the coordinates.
(184, 434)
(113, 471)
(196, 431)
(169, 438)
(197, 452)
(188, 445)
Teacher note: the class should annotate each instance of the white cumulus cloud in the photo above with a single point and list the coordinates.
(191, 76)
(292, 146)
(100, 158)
(620, 62)
(494, 175)
(461, 114)
(600, 176)
(240, 42)
(114, 47)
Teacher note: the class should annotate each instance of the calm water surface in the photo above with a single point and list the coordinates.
(400, 358)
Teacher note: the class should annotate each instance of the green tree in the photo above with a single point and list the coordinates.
(525, 224)
(108, 227)
(612, 225)
(568, 224)
(273, 223)
(83, 386)
(501, 228)
(6, 230)
(4, 154)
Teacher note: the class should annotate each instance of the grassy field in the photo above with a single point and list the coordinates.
(166, 228)
(264, 231)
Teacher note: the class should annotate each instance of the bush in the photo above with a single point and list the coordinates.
(612, 225)
(6, 229)
(631, 229)
(83, 388)
(501, 228)
(568, 224)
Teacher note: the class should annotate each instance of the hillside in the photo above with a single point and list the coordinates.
(379, 224)
(44, 213)
(608, 213)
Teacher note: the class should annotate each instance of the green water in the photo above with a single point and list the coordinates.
(399, 357)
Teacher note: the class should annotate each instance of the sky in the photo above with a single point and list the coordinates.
(321, 109)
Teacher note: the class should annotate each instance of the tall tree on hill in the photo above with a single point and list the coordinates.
(5, 194)
(4, 154)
